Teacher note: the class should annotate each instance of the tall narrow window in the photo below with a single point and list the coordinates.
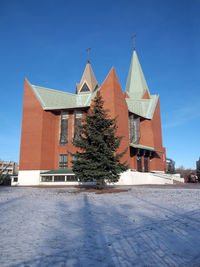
(131, 128)
(137, 129)
(77, 123)
(64, 128)
(134, 129)
(63, 161)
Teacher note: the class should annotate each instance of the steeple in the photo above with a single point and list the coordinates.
(88, 81)
(136, 85)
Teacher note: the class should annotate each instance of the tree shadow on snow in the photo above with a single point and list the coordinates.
(99, 233)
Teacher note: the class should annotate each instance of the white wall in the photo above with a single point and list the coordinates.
(29, 177)
(138, 178)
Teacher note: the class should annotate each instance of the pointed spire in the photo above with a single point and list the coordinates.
(136, 84)
(88, 81)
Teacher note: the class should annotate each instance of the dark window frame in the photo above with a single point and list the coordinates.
(77, 122)
(63, 161)
(59, 178)
(134, 128)
(64, 128)
(48, 178)
(85, 88)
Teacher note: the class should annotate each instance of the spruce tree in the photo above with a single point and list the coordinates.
(97, 158)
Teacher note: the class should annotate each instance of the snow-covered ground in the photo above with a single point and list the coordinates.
(146, 226)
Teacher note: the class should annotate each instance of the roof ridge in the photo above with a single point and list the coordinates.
(50, 89)
(139, 100)
(90, 93)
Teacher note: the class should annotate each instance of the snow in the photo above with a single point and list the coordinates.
(146, 226)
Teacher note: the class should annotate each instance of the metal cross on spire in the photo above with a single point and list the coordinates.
(133, 36)
(88, 49)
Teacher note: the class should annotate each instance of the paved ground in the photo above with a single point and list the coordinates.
(146, 226)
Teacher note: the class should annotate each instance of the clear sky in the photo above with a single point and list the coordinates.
(46, 40)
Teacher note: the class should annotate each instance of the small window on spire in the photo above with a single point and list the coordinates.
(96, 87)
(85, 88)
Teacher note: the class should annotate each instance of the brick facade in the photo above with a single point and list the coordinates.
(40, 136)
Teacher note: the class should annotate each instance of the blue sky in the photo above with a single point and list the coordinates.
(46, 42)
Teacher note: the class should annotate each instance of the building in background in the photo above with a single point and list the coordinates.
(50, 118)
(170, 165)
(198, 169)
(9, 167)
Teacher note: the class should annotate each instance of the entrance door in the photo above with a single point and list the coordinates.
(139, 163)
(146, 166)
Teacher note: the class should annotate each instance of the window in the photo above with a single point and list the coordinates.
(134, 129)
(96, 87)
(63, 161)
(15, 179)
(73, 158)
(59, 178)
(46, 178)
(137, 129)
(71, 178)
(131, 128)
(85, 88)
(77, 123)
(64, 128)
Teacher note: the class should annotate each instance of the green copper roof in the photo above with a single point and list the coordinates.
(136, 84)
(146, 148)
(143, 107)
(135, 88)
(51, 99)
(59, 171)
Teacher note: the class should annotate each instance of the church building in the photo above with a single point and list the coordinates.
(50, 118)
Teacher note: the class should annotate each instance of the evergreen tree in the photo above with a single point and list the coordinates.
(198, 169)
(97, 158)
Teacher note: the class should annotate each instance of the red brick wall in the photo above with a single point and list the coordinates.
(40, 146)
(158, 163)
(115, 102)
(31, 133)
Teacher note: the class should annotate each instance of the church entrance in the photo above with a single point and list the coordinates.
(146, 164)
(142, 159)
(139, 160)
(146, 161)
(139, 163)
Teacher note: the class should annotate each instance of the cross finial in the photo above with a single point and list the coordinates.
(133, 36)
(88, 49)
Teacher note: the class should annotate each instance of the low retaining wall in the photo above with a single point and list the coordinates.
(138, 178)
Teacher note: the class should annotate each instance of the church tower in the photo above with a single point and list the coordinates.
(88, 83)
